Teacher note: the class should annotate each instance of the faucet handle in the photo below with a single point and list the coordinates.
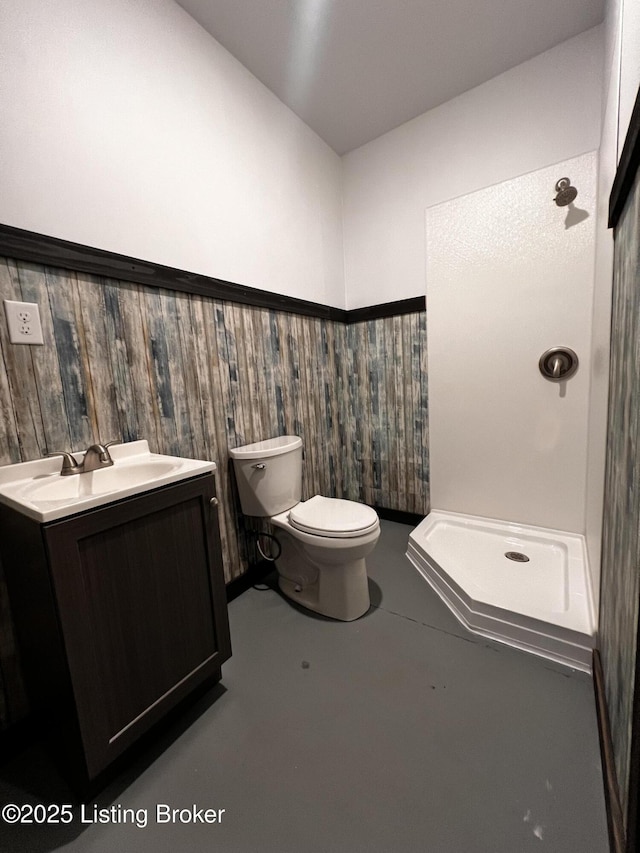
(69, 464)
(101, 447)
(105, 448)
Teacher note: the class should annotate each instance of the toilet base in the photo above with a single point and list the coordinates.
(325, 574)
(339, 592)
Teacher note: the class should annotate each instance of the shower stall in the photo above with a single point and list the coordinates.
(510, 273)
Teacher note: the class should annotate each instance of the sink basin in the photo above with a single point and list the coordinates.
(38, 490)
(56, 490)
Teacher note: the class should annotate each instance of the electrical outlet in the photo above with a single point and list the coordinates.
(23, 322)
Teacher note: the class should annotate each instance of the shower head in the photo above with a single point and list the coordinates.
(566, 193)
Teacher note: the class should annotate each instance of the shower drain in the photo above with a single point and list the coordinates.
(517, 556)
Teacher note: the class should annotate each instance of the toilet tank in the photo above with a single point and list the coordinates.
(269, 475)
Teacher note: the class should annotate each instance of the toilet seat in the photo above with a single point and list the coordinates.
(333, 517)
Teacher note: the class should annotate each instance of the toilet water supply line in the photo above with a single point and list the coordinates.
(268, 557)
(299, 582)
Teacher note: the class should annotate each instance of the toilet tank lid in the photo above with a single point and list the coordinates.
(268, 447)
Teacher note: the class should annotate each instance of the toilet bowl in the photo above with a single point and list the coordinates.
(323, 541)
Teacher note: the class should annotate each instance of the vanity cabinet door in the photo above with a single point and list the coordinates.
(142, 609)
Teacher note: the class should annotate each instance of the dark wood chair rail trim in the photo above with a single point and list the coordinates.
(52, 251)
(627, 167)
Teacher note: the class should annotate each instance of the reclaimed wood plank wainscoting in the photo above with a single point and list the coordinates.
(196, 374)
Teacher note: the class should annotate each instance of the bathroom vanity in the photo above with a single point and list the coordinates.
(120, 608)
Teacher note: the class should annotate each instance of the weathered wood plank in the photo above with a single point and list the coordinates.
(269, 372)
(45, 363)
(370, 412)
(402, 448)
(206, 439)
(331, 424)
(424, 417)
(21, 378)
(420, 426)
(408, 497)
(62, 292)
(96, 350)
(413, 399)
(251, 379)
(306, 411)
(227, 435)
(226, 495)
(323, 411)
(392, 389)
(307, 367)
(345, 422)
(160, 372)
(351, 460)
(233, 341)
(221, 355)
(286, 386)
(291, 373)
(379, 436)
(192, 433)
(174, 376)
(9, 443)
(272, 344)
(134, 317)
(213, 436)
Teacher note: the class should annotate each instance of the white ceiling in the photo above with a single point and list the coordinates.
(354, 69)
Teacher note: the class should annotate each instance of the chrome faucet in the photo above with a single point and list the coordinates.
(97, 456)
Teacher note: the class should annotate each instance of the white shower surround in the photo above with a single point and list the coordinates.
(509, 275)
(506, 280)
(543, 606)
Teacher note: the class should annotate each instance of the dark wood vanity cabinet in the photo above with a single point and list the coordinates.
(120, 613)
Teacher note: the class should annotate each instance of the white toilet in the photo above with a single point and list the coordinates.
(324, 541)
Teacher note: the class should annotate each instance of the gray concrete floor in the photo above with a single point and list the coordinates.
(398, 732)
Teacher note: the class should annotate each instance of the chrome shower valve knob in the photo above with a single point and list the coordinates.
(558, 364)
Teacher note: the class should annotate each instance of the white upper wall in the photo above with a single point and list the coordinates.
(126, 127)
(542, 112)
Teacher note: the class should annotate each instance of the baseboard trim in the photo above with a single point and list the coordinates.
(402, 517)
(257, 573)
(254, 574)
(615, 821)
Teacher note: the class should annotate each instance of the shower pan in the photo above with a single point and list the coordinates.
(518, 584)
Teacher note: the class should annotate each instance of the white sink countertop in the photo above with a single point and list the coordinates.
(37, 489)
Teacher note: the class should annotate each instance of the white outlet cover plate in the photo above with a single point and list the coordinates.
(23, 322)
